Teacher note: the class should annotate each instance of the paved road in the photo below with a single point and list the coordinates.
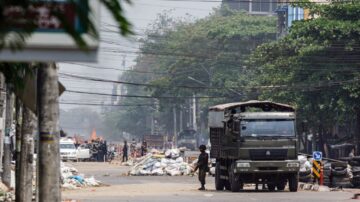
(182, 188)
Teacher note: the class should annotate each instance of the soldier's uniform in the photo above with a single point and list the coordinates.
(203, 166)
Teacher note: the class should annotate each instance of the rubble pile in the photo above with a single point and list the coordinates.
(305, 169)
(341, 174)
(327, 174)
(6, 194)
(355, 168)
(72, 179)
(170, 163)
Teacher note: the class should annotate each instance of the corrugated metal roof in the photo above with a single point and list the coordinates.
(253, 103)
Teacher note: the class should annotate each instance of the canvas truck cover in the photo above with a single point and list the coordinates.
(253, 103)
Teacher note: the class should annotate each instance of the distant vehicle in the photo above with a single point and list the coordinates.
(83, 152)
(67, 150)
(254, 142)
(155, 141)
(188, 138)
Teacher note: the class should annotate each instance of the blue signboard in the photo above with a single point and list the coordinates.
(317, 155)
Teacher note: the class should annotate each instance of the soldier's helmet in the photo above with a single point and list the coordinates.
(202, 147)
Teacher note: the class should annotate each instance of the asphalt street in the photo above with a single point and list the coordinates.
(181, 188)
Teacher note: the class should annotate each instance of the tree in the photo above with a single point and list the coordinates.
(206, 57)
(315, 67)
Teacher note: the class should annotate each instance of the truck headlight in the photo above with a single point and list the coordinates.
(292, 165)
(243, 165)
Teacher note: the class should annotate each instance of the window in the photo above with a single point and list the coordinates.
(67, 146)
(255, 6)
(244, 6)
(268, 127)
(263, 6)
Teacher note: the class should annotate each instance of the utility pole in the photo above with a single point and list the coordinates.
(18, 120)
(48, 118)
(194, 112)
(2, 115)
(175, 132)
(6, 175)
(181, 119)
(26, 157)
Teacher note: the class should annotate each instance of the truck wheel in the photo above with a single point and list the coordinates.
(281, 186)
(227, 185)
(271, 187)
(234, 179)
(219, 183)
(293, 182)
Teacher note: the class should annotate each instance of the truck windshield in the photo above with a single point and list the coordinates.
(67, 146)
(267, 127)
(187, 134)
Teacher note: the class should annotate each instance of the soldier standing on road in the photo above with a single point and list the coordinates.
(125, 152)
(202, 165)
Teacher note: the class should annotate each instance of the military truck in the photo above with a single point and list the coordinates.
(254, 142)
(188, 138)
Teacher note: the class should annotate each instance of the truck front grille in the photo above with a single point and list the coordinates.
(268, 154)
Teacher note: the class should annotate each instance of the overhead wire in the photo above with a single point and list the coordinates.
(142, 96)
(302, 85)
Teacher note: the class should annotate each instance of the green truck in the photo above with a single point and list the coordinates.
(254, 142)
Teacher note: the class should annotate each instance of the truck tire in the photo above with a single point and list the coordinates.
(293, 182)
(227, 185)
(281, 186)
(219, 183)
(271, 187)
(234, 179)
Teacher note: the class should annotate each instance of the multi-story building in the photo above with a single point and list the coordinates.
(255, 7)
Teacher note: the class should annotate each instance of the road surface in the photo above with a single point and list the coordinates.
(181, 188)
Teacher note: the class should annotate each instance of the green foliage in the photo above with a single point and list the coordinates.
(315, 66)
(209, 52)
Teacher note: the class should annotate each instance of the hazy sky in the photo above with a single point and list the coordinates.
(141, 14)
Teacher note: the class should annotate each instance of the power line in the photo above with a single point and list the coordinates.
(133, 83)
(244, 88)
(263, 1)
(142, 96)
(106, 105)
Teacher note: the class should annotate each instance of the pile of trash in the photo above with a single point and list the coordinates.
(341, 174)
(72, 179)
(169, 163)
(6, 194)
(335, 174)
(305, 169)
(355, 168)
(327, 174)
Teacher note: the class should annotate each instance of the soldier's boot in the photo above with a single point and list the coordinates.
(202, 187)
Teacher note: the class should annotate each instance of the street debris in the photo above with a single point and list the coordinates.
(72, 179)
(305, 169)
(156, 163)
(6, 194)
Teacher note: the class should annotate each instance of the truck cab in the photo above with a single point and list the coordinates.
(254, 142)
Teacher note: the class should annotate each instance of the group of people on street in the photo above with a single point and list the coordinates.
(98, 150)
(133, 150)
